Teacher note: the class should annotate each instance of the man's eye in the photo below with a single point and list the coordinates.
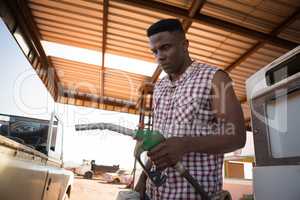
(165, 47)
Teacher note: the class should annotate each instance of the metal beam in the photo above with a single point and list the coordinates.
(147, 87)
(194, 9)
(258, 45)
(211, 21)
(94, 98)
(104, 38)
(248, 124)
(156, 74)
(243, 57)
(243, 99)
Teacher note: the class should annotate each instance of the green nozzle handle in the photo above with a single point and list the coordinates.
(147, 140)
(150, 138)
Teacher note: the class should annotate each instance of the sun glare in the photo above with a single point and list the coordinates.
(95, 58)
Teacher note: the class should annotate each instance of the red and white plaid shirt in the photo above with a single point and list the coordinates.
(183, 108)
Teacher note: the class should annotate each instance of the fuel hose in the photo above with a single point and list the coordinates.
(185, 173)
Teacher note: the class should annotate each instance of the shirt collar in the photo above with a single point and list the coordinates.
(182, 77)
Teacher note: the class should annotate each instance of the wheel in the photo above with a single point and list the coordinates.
(88, 175)
(116, 181)
(66, 197)
(67, 194)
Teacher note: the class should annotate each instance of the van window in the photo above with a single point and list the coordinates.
(28, 131)
(4, 125)
(283, 125)
(283, 70)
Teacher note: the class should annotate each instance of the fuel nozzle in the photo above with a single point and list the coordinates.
(147, 140)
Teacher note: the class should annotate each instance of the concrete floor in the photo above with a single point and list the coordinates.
(95, 189)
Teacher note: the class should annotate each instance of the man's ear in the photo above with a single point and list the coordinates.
(186, 45)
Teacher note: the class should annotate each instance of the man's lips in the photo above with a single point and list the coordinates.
(164, 65)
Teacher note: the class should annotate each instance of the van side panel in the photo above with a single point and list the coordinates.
(20, 178)
(59, 180)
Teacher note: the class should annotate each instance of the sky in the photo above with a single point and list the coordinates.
(106, 147)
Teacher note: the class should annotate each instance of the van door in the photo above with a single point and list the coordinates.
(53, 186)
(57, 177)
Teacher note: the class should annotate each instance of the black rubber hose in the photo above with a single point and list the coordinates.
(185, 173)
(199, 189)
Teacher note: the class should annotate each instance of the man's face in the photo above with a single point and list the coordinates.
(169, 50)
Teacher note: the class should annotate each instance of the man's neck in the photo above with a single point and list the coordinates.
(186, 64)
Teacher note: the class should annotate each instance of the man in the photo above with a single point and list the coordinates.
(197, 111)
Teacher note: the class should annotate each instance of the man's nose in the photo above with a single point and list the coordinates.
(161, 56)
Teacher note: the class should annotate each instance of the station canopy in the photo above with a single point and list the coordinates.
(99, 49)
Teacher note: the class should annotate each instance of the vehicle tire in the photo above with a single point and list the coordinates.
(66, 197)
(88, 175)
(116, 181)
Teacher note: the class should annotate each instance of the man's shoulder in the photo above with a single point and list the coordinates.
(200, 66)
(203, 71)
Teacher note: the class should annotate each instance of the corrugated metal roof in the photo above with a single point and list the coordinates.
(75, 23)
(216, 46)
(126, 30)
(185, 4)
(255, 14)
(238, 36)
(85, 79)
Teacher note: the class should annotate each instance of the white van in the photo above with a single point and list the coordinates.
(30, 160)
(31, 135)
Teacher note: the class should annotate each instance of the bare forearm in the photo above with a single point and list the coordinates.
(213, 144)
(169, 152)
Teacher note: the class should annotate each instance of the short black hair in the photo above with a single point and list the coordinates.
(165, 25)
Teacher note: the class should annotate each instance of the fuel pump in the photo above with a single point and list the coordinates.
(274, 97)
